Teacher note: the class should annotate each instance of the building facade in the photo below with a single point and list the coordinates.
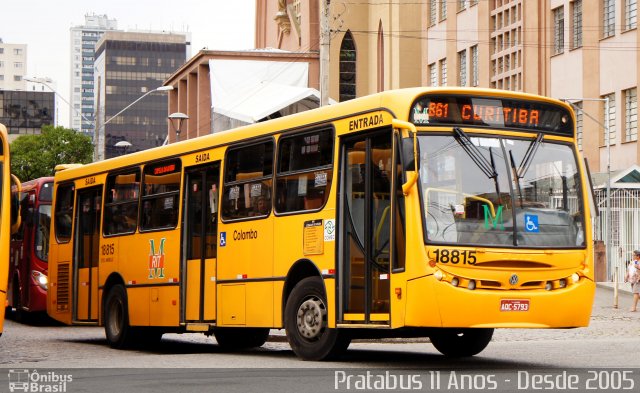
(83, 42)
(25, 112)
(128, 66)
(373, 46)
(13, 66)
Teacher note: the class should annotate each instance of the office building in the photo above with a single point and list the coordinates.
(83, 41)
(13, 66)
(25, 112)
(130, 65)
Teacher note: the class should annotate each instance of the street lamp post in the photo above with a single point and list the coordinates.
(99, 144)
(177, 119)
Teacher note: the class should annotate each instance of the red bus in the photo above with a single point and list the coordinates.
(28, 281)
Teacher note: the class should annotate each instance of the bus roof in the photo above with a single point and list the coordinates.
(397, 102)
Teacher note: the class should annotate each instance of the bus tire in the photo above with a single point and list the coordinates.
(461, 342)
(241, 338)
(116, 319)
(305, 322)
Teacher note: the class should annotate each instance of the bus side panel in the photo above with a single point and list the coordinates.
(59, 295)
(139, 300)
(150, 259)
(318, 249)
(164, 306)
(247, 256)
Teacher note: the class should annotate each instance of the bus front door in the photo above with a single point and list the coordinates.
(86, 254)
(201, 228)
(365, 228)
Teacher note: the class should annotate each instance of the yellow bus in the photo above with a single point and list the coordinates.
(442, 213)
(9, 217)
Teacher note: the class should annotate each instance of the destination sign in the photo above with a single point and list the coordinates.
(492, 112)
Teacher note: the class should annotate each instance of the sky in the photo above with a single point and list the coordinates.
(44, 26)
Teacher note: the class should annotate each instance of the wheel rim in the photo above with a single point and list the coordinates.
(115, 317)
(311, 318)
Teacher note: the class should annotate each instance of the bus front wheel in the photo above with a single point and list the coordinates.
(306, 323)
(461, 342)
(116, 319)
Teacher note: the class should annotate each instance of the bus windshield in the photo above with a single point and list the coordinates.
(498, 191)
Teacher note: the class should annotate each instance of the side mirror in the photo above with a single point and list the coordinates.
(408, 159)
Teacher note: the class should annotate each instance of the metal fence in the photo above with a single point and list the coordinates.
(623, 219)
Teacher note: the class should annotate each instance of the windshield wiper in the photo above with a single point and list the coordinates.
(488, 167)
(528, 156)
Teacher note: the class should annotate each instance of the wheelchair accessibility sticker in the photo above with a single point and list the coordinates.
(531, 223)
(223, 239)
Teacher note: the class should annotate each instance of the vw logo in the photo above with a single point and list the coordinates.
(513, 280)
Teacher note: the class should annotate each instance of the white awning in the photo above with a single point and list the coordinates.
(249, 90)
(264, 100)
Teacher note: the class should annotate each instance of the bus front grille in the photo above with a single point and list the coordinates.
(62, 293)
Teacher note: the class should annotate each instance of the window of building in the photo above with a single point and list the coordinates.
(17, 78)
(347, 68)
(443, 10)
(432, 12)
(462, 67)
(17, 51)
(1, 64)
(247, 182)
(443, 72)
(1, 77)
(558, 30)
(631, 114)
(160, 195)
(433, 75)
(18, 64)
(579, 120)
(608, 18)
(610, 115)
(475, 77)
(630, 14)
(576, 20)
(297, 12)
(1, 51)
(462, 4)
(63, 216)
(121, 203)
(303, 177)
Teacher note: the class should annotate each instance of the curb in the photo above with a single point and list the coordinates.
(622, 287)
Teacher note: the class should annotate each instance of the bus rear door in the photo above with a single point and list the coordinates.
(87, 253)
(201, 231)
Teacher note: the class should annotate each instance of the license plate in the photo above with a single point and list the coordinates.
(514, 305)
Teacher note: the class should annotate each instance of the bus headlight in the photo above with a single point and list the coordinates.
(438, 275)
(575, 277)
(455, 281)
(549, 286)
(41, 279)
(472, 285)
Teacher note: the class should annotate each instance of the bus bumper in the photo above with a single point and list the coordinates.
(430, 302)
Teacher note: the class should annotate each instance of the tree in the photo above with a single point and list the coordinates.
(34, 156)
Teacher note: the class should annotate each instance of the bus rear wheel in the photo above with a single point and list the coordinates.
(305, 322)
(241, 338)
(461, 342)
(116, 319)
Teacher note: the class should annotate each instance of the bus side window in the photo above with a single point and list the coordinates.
(64, 212)
(248, 181)
(121, 203)
(304, 171)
